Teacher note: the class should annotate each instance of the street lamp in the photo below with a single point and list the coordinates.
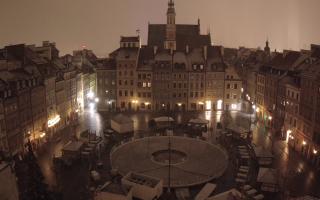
(90, 95)
(315, 151)
(304, 143)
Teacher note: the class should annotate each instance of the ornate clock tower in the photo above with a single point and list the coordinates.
(170, 42)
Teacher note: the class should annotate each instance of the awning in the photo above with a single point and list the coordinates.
(164, 119)
(267, 175)
(198, 121)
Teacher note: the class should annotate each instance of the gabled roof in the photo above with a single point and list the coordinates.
(106, 64)
(145, 54)
(284, 61)
(130, 39)
(185, 35)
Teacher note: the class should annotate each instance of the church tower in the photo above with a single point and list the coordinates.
(170, 42)
(267, 48)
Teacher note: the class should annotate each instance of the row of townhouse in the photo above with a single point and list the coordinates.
(40, 94)
(286, 97)
(149, 78)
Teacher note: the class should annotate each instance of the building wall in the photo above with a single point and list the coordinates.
(215, 88)
(9, 187)
(14, 136)
(106, 89)
(232, 93)
(126, 84)
(39, 110)
(144, 90)
(3, 136)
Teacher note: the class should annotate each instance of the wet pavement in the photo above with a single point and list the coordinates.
(299, 177)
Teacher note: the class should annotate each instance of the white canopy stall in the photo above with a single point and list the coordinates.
(163, 122)
(122, 124)
(269, 179)
(263, 156)
(198, 121)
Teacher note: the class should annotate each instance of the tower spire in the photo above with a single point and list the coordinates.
(170, 42)
(267, 48)
(171, 13)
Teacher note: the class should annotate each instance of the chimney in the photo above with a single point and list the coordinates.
(155, 49)
(187, 49)
(205, 52)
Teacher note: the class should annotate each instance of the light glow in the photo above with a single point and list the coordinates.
(42, 135)
(270, 118)
(304, 143)
(179, 104)
(53, 121)
(234, 106)
(288, 135)
(96, 100)
(90, 95)
(219, 104)
(201, 103)
(315, 151)
(208, 105)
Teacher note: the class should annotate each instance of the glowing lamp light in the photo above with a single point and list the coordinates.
(147, 103)
(315, 151)
(270, 118)
(208, 105)
(42, 135)
(288, 135)
(163, 105)
(304, 143)
(219, 104)
(201, 103)
(90, 95)
(253, 106)
(179, 104)
(53, 121)
(96, 100)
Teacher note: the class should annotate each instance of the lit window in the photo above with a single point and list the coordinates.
(219, 104)
(234, 106)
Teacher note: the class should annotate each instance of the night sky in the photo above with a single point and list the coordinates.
(98, 24)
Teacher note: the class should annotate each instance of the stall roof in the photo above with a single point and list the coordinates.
(164, 119)
(198, 121)
(121, 119)
(262, 152)
(267, 175)
(237, 129)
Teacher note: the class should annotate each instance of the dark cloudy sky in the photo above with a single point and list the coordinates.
(98, 24)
